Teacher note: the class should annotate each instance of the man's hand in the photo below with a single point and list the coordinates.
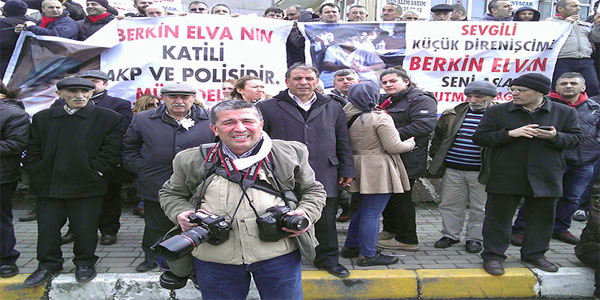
(295, 232)
(345, 181)
(546, 134)
(528, 131)
(19, 28)
(184, 221)
(572, 19)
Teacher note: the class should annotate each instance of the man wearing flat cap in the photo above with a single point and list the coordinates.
(459, 162)
(97, 17)
(527, 137)
(150, 145)
(70, 149)
(441, 12)
(111, 205)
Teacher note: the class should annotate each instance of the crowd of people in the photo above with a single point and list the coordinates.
(301, 151)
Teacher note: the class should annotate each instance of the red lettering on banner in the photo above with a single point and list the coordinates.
(143, 33)
(505, 29)
(256, 34)
(442, 64)
(196, 32)
(530, 65)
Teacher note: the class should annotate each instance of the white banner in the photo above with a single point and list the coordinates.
(443, 60)
(421, 7)
(202, 50)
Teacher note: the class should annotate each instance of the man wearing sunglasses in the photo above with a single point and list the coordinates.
(197, 7)
(150, 145)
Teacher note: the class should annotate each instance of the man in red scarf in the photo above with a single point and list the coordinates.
(98, 16)
(55, 22)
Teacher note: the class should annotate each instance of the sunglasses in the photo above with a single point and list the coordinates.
(151, 105)
(198, 9)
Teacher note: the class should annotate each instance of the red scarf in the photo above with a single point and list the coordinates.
(582, 97)
(94, 19)
(46, 21)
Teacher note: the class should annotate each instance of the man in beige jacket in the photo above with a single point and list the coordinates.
(244, 163)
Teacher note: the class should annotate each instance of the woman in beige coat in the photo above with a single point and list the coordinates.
(376, 146)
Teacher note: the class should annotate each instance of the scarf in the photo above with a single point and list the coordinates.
(46, 21)
(95, 19)
(582, 97)
(246, 161)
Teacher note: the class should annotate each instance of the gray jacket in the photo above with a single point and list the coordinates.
(581, 37)
(153, 139)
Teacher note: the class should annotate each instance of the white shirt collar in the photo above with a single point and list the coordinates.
(306, 106)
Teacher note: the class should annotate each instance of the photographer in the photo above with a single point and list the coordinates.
(245, 175)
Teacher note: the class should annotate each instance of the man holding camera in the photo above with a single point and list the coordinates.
(527, 137)
(246, 178)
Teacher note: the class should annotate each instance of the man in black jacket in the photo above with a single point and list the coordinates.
(300, 114)
(14, 10)
(111, 203)
(580, 161)
(527, 137)
(70, 150)
(97, 17)
(14, 131)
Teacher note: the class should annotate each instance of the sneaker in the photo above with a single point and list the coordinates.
(146, 266)
(384, 235)
(516, 238)
(580, 215)
(445, 242)
(566, 237)
(473, 246)
(396, 245)
(377, 260)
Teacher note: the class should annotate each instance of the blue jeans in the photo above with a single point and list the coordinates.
(275, 278)
(575, 181)
(364, 226)
(586, 198)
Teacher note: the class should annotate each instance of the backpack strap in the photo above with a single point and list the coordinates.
(353, 119)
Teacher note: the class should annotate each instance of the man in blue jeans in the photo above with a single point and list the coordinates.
(223, 271)
(570, 90)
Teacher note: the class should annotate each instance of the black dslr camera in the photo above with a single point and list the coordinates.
(211, 228)
(270, 223)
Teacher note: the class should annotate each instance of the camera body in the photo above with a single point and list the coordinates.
(211, 228)
(276, 217)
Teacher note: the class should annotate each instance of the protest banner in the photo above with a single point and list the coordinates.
(202, 50)
(421, 7)
(444, 60)
(38, 62)
(440, 57)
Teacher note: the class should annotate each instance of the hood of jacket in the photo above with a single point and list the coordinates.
(536, 14)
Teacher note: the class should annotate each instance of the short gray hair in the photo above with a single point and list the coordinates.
(344, 72)
(300, 66)
(232, 105)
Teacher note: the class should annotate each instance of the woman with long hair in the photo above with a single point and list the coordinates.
(249, 88)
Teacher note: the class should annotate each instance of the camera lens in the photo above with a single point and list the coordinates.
(180, 245)
(294, 222)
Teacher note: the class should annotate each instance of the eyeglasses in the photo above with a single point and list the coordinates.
(198, 9)
(518, 90)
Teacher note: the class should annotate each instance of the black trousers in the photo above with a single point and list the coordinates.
(156, 225)
(592, 259)
(326, 234)
(8, 254)
(83, 214)
(111, 210)
(497, 225)
(400, 217)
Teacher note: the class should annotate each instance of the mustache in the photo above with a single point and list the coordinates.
(178, 105)
(78, 99)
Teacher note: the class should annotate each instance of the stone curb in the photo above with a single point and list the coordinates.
(362, 284)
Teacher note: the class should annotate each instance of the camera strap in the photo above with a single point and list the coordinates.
(228, 170)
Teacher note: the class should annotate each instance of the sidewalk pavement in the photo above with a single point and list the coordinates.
(430, 273)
